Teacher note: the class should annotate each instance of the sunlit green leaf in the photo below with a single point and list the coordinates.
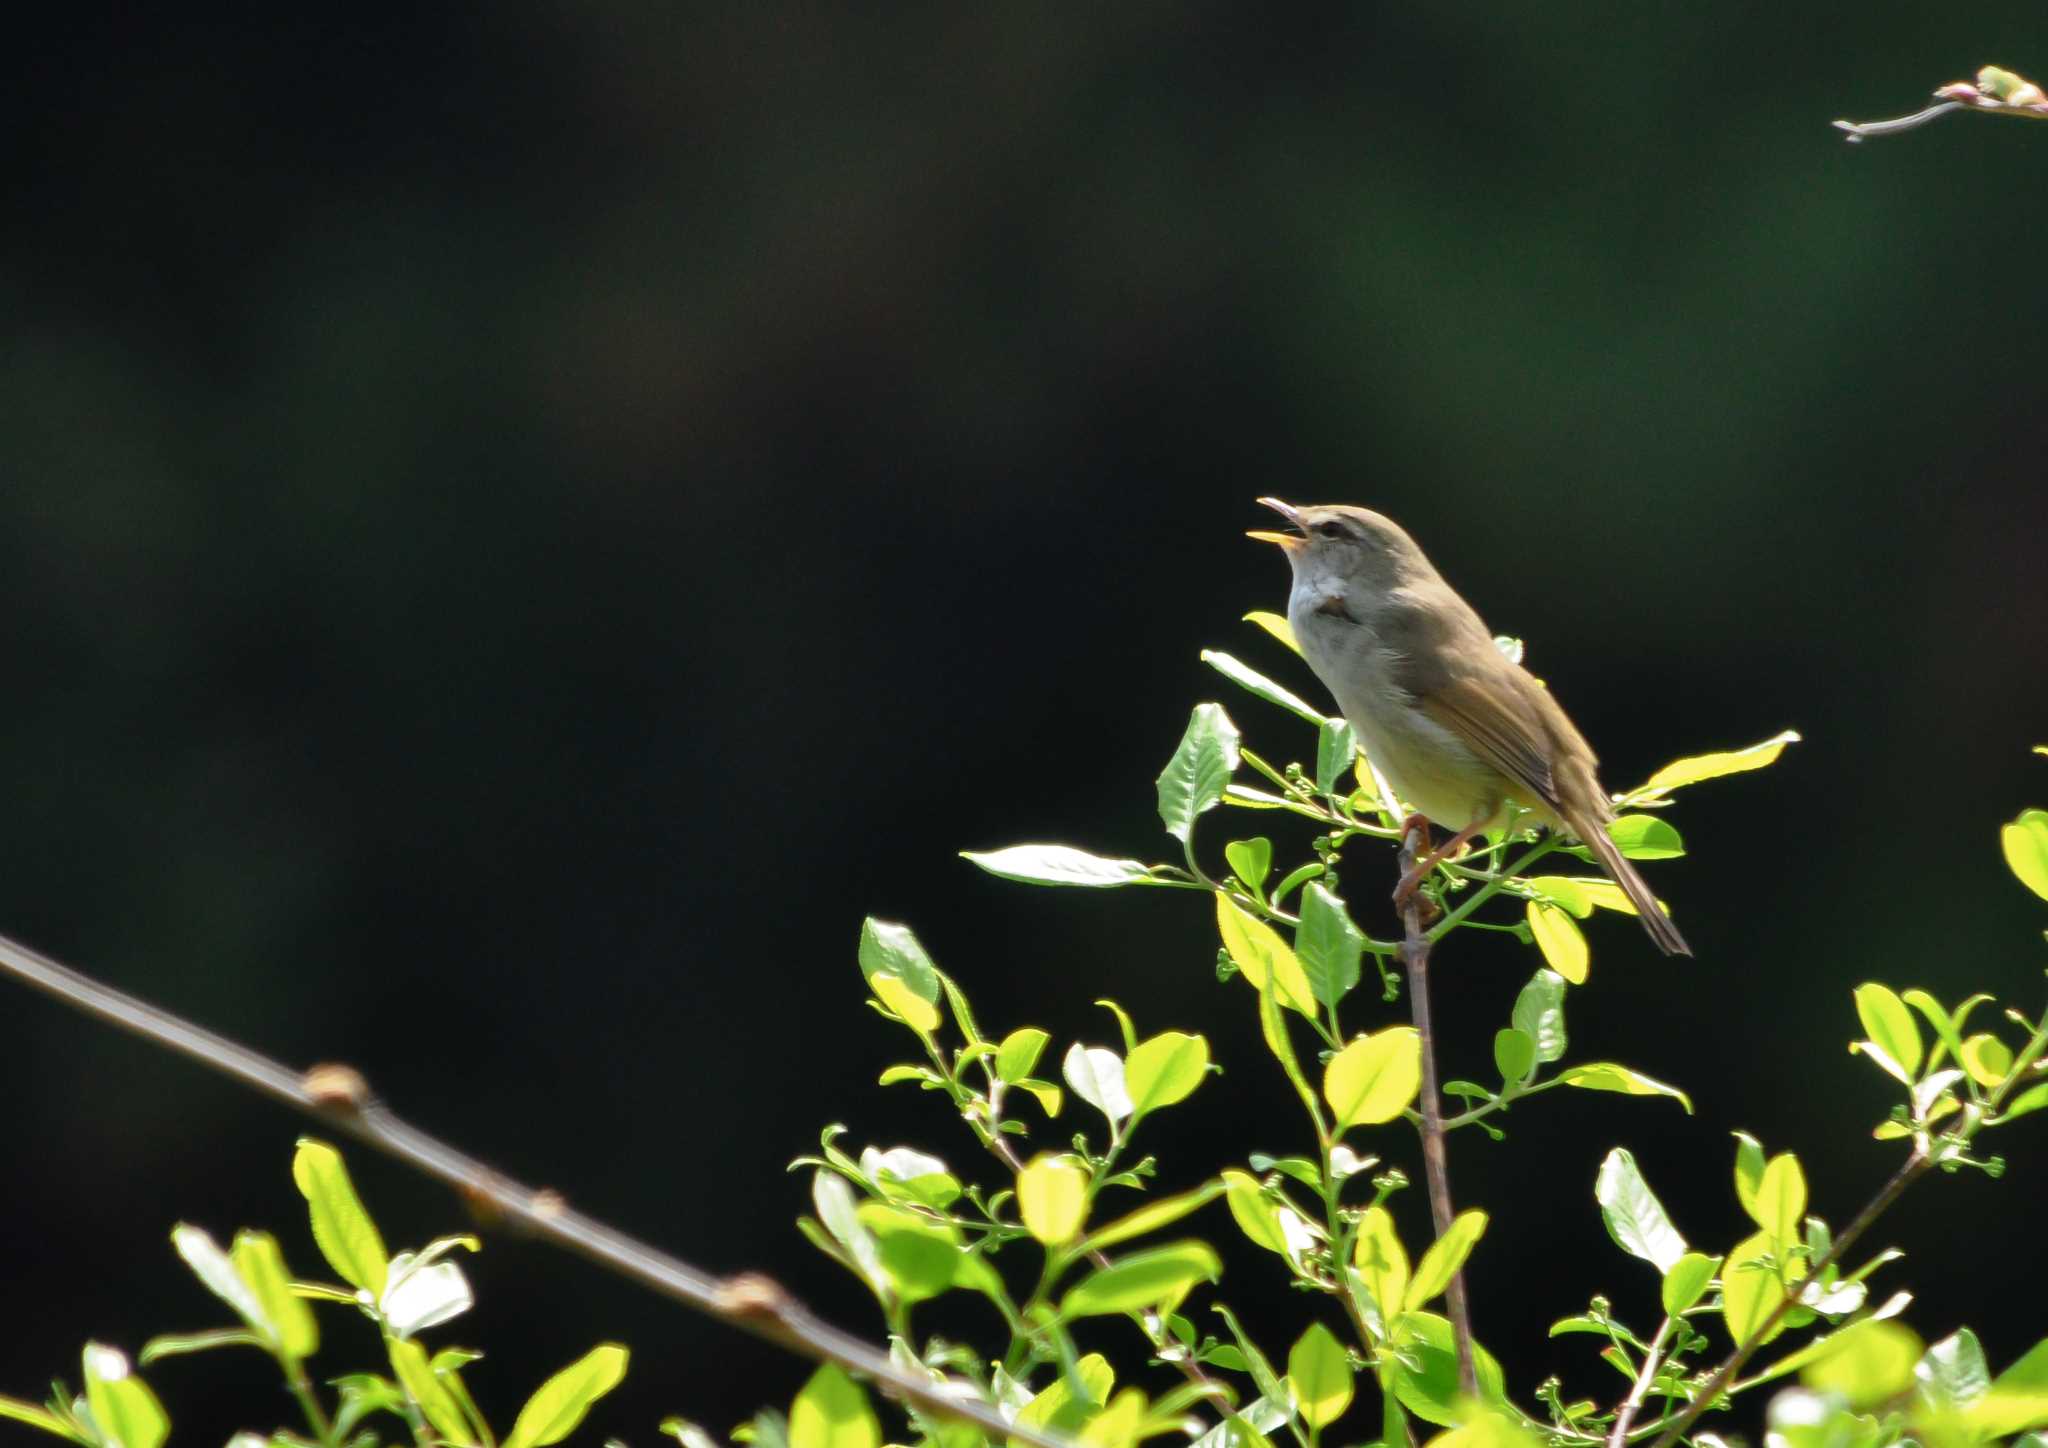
(1987, 1059)
(424, 1386)
(213, 1267)
(1019, 1052)
(1259, 951)
(1193, 779)
(1165, 1070)
(1750, 1290)
(1557, 936)
(1781, 1198)
(1749, 1172)
(2018, 1398)
(1890, 1025)
(1953, 1372)
(894, 950)
(123, 1407)
(560, 1403)
(1276, 625)
(1152, 1216)
(1157, 1279)
(1607, 1076)
(1375, 1077)
(260, 1264)
(342, 1230)
(1445, 1257)
(1539, 1013)
(1058, 865)
(1052, 1198)
(1251, 861)
(920, 1258)
(35, 1417)
(831, 1411)
(1564, 892)
(1646, 837)
(1321, 1374)
(1097, 1076)
(1635, 1218)
(1685, 1281)
(2025, 843)
(904, 1003)
(1867, 1363)
(1382, 1262)
(1681, 772)
(1257, 1216)
(1430, 1388)
(1336, 748)
(2030, 1100)
(1253, 682)
(1327, 944)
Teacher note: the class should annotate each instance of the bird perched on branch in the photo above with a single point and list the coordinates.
(1458, 729)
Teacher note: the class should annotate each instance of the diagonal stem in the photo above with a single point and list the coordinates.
(1435, 1165)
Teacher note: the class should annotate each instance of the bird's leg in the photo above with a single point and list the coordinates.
(1412, 881)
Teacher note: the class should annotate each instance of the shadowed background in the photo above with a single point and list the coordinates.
(522, 525)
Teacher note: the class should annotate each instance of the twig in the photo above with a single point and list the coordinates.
(1855, 131)
(1435, 1166)
(1640, 1389)
(338, 1097)
(1912, 1170)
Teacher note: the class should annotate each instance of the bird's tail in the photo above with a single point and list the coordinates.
(1656, 924)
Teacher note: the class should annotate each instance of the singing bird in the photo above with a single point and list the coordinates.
(1457, 728)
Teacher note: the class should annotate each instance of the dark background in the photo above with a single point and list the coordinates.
(523, 523)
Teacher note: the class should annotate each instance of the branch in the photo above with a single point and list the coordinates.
(1994, 92)
(1640, 1389)
(338, 1097)
(1435, 1166)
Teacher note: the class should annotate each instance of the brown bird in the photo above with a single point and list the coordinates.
(1459, 730)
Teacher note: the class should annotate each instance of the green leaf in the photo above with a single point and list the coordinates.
(1382, 1263)
(1019, 1052)
(1256, 683)
(1781, 1199)
(1750, 1289)
(1276, 625)
(1158, 1279)
(1749, 1173)
(1152, 1216)
(182, 1344)
(1258, 1217)
(213, 1267)
(1430, 1389)
(1987, 1059)
(2030, 1100)
(424, 1386)
(1321, 1374)
(1193, 779)
(1607, 1076)
(904, 1003)
(559, 1404)
(1557, 936)
(123, 1407)
(1445, 1257)
(346, 1236)
(1327, 944)
(1259, 951)
(1635, 1218)
(920, 1258)
(1564, 892)
(894, 950)
(2018, 1398)
(1373, 1079)
(1251, 860)
(1890, 1025)
(1681, 772)
(1097, 1076)
(1165, 1070)
(1336, 748)
(1059, 865)
(35, 1417)
(1539, 1014)
(1953, 1372)
(1867, 1363)
(2025, 843)
(831, 1412)
(1686, 1280)
(260, 1264)
(1645, 837)
(1052, 1198)
(1514, 1053)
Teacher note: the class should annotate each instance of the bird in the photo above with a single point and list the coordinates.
(1459, 730)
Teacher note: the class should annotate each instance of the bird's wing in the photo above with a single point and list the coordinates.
(1473, 690)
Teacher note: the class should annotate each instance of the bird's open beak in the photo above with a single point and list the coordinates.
(1286, 540)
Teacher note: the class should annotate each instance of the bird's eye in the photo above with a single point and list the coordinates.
(1330, 530)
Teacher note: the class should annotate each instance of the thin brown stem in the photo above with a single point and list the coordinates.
(338, 1097)
(1435, 1165)
(1640, 1389)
